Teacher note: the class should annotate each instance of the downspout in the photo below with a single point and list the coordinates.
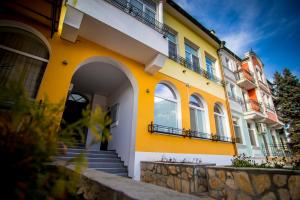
(226, 97)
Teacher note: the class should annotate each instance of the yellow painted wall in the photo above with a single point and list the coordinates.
(57, 79)
(174, 69)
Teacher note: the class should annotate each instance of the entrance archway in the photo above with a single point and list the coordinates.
(110, 85)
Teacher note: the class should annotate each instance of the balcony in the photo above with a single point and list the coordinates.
(235, 98)
(253, 110)
(119, 26)
(271, 118)
(196, 68)
(245, 79)
(264, 86)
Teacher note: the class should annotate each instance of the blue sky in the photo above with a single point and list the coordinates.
(270, 27)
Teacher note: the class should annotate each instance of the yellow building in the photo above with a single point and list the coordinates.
(149, 63)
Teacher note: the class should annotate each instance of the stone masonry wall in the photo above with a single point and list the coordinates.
(249, 183)
(182, 177)
(97, 185)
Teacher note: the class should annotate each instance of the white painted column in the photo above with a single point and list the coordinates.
(160, 11)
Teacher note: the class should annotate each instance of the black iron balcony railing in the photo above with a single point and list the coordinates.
(235, 98)
(252, 105)
(270, 108)
(263, 83)
(140, 15)
(242, 74)
(196, 68)
(276, 150)
(155, 128)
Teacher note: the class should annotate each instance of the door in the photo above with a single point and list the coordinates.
(75, 104)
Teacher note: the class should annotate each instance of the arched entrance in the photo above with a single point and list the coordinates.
(110, 85)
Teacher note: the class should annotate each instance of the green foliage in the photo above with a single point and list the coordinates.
(287, 103)
(29, 139)
(245, 161)
(242, 161)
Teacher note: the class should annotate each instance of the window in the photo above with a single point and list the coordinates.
(227, 63)
(237, 130)
(219, 120)
(232, 90)
(22, 54)
(191, 56)
(274, 140)
(165, 106)
(251, 135)
(197, 115)
(172, 45)
(210, 67)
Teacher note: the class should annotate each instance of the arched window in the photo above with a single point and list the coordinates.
(22, 55)
(197, 115)
(165, 106)
(219, 120)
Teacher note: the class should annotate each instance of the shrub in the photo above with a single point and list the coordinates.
(28, 145)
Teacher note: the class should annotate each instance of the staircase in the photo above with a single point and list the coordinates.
(106, 161)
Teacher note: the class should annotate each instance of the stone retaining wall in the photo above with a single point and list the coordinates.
(97, 185)
(182, 177)
(249, 183)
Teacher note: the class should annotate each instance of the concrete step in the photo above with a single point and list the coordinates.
(113, 159)
(91, 155)
(112, 170)
(105, 165)
(80, 150)
(121, 174)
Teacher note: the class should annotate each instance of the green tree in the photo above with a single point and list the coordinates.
(287, 103)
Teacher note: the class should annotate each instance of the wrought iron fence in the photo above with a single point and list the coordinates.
(182, 61)
(140, 15)
(270, 108)
(156, 128)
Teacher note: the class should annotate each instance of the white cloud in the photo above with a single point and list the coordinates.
(239, 42)
(186, 5)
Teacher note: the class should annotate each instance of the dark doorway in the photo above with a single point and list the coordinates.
(75, 104)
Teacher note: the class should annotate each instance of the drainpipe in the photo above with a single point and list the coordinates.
(161, 11)
(226, 96)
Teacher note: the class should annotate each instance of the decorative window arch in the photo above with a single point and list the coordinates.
(220, 120)
(166, 106)
(24, 55)
(198, 115)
